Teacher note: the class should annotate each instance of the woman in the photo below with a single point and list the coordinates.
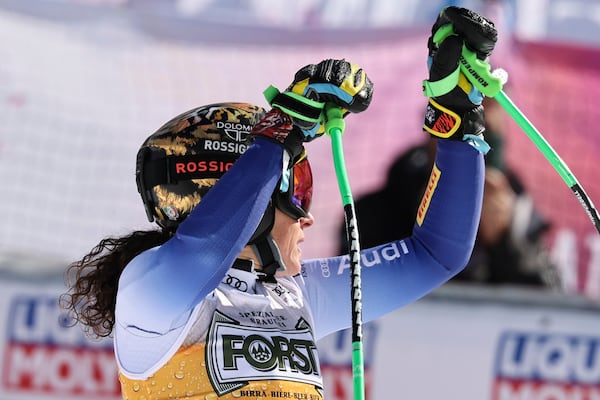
(218, 302)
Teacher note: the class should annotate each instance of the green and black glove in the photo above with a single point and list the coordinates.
(460, 40)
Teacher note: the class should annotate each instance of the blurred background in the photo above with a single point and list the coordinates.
(84, 82)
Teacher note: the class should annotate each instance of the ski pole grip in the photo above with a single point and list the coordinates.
(334, 119)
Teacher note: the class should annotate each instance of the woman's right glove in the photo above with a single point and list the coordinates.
(298, 112)
(454, 107)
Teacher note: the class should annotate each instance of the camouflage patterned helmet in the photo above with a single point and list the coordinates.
(179, 163)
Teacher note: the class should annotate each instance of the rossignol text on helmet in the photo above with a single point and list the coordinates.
(179, 163)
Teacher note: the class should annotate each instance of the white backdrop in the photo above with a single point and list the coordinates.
(83, 83)
(80, 98)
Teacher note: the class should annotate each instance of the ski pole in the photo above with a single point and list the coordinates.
(490, 84)
(559, 165)
(334, 127)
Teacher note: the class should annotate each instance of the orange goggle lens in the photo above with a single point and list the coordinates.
(297, 200)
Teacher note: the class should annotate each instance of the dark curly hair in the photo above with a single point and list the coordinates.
(94, 279)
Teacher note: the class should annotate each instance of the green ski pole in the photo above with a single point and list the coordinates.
(490, 84)
(559, 165)
(334, 127)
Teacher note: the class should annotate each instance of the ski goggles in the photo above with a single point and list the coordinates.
(296, 199)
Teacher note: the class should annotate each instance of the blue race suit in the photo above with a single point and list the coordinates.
(189, 325)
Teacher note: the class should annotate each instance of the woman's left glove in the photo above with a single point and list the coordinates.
(298, 112)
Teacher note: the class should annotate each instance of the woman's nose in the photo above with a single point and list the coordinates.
(306, 222)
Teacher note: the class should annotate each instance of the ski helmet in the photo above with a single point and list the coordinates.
(178, 164)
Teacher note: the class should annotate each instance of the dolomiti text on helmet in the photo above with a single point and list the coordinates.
(181, 161)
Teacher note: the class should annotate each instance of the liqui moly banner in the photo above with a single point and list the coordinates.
(43, 357)
(537, 365)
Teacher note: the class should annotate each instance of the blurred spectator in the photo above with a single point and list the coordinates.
(510, 246)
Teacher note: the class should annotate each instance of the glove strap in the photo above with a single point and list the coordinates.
(294, 105)
(443, 86)
(442, 33)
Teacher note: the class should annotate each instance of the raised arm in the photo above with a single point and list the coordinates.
(398, 273)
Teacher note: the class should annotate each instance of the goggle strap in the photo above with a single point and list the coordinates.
(172, 169)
